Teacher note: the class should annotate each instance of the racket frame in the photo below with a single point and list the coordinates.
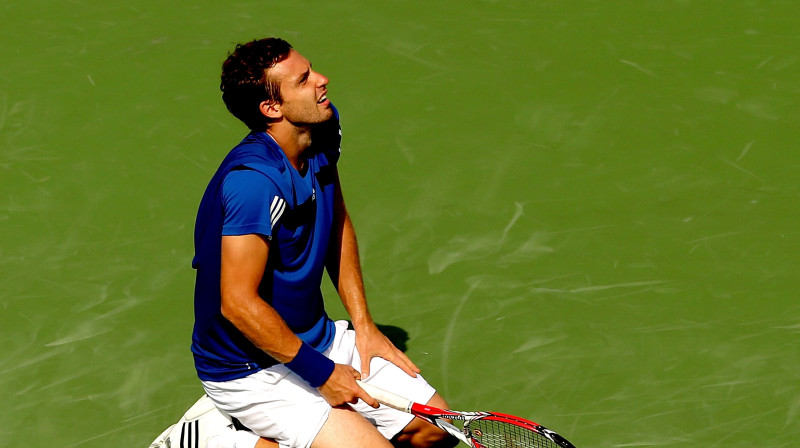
(439, 417)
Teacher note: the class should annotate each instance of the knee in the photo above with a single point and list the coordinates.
(430, 437)
(441, 439)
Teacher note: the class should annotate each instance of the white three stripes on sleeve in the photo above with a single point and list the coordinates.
(276, 210)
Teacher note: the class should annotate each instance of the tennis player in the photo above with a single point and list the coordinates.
(272, 219)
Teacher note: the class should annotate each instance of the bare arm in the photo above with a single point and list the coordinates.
(344, 268)
(244, 259)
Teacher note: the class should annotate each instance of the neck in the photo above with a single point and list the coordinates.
(293, 140)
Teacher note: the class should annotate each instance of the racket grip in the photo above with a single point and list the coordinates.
(386, 397)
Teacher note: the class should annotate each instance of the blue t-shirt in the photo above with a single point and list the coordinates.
(257, 191)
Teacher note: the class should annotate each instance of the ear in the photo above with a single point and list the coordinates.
(270, 109)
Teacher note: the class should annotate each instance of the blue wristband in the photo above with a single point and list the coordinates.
(311, 365)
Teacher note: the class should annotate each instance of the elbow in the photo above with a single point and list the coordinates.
(228, 307)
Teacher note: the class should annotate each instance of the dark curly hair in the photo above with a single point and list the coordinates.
(244, 81)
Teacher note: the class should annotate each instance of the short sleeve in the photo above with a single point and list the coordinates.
(252, 203)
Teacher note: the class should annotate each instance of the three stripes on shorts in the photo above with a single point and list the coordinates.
(190, 434)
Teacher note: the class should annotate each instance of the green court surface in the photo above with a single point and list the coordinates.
(581, 212)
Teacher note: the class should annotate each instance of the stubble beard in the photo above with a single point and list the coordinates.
(307, 116)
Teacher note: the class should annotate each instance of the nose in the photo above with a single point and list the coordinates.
(322, 80)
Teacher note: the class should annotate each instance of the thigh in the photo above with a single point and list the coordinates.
(274, 403)
(347, 428)
(385, 375)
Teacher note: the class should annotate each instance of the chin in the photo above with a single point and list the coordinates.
(327, 113)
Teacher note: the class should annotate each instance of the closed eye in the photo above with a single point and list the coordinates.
(304, 77)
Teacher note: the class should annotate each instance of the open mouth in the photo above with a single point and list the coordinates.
(323, 99)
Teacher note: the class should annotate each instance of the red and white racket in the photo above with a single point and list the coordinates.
(479, 429)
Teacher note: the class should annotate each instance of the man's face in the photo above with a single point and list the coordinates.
(304, 91)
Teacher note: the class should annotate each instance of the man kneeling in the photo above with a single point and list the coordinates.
(271, 221)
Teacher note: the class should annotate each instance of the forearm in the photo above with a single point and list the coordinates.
(370, 340)
(350, 283)
(264, 327)
(244, 258)
(242, 267)
(344, 265)
(344, 268)
(261, 325)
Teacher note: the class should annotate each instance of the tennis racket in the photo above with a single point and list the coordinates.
(479, 429)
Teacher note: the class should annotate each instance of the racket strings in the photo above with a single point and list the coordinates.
(494, 434)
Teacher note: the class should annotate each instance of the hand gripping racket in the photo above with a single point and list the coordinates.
(480, 429)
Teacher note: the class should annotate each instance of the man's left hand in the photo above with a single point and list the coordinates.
(371, 343)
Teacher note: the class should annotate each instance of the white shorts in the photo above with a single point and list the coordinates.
(278, 404)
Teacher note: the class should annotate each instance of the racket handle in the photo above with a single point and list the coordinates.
(386, 397)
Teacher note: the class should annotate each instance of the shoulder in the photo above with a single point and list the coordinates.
(246, 185)
(257, 150)
(246, 177)
(251, 203)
